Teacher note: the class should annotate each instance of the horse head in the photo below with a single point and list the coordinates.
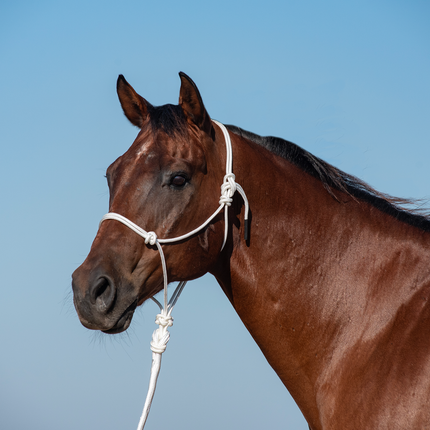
(162, 184)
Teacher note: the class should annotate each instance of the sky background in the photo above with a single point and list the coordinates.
(348, 81)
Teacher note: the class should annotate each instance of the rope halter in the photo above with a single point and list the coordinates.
(164, 320)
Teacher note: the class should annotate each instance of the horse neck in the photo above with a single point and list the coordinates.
(307, 279)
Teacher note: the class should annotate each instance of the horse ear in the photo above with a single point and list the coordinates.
(192, 103)
(134, 106)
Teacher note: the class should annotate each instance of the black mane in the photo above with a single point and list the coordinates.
(331, 177)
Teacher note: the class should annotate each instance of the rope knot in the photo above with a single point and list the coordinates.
(161, 336)
(164, 320)
(159, 340)
(150, 238)
(228, 188)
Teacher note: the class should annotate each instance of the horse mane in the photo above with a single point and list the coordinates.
(334, 178)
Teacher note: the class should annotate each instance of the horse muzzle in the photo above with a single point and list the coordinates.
(98, 302)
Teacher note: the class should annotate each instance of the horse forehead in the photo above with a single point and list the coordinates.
(155, 150)
(143, 147)
(146, 152)
(164, 146)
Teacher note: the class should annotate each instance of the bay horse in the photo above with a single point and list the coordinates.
(333, 281)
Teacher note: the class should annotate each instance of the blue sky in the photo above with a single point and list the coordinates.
(348, 81)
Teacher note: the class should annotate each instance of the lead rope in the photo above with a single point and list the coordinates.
(164, 319)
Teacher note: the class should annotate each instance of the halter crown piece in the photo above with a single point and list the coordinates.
(164, 319)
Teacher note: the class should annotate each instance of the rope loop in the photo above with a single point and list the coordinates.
(151, 238)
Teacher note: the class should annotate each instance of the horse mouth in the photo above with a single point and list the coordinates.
(124, 320)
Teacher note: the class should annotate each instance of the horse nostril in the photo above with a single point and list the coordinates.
(103, 294)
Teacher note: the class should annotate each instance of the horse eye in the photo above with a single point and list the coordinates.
(178, 181)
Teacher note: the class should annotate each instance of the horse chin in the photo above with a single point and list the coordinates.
(124, 320)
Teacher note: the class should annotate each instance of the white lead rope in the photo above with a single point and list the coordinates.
(164, 319)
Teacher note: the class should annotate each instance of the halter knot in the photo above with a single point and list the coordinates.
(164, 320)
(159, 340)
(151, 238)
(228, 188)
(161, 336)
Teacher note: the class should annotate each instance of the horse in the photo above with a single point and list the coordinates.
(332, 279)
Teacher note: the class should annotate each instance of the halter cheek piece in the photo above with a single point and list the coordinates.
(164, 319)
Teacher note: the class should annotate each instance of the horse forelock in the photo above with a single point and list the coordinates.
(168, 118)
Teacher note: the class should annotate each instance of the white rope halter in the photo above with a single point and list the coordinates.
(164, 319)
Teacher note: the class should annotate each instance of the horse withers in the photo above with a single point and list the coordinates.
(333, 281)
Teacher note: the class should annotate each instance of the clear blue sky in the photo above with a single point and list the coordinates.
(347, 80)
